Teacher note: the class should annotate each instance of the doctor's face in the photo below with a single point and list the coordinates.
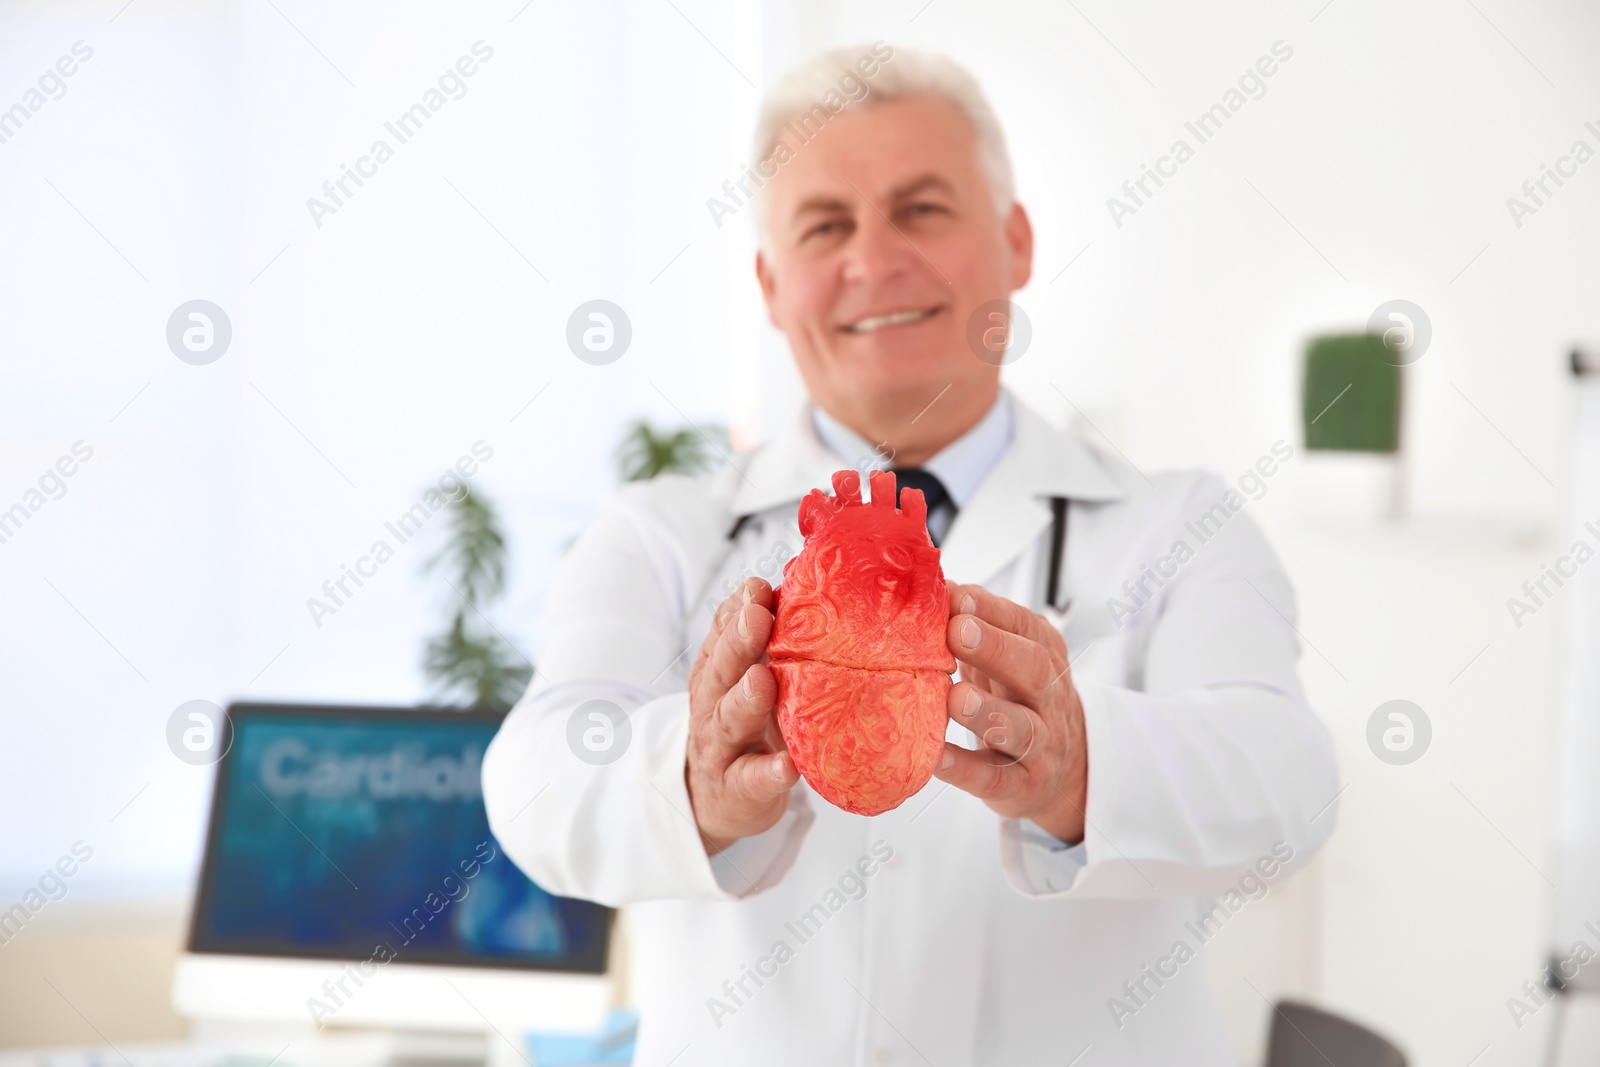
(882, 242)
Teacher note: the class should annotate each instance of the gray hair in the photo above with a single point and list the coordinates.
(863, 76)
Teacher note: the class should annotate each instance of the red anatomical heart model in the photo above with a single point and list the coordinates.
(858, 646)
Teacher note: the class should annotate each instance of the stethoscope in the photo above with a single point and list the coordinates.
(1056, 607)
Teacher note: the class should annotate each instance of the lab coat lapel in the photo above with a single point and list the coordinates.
(1011, 507)
(785, 469)
(996, 525)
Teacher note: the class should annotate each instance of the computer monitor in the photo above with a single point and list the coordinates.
(350, 878)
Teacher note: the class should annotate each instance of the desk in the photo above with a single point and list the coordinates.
(296, 1050)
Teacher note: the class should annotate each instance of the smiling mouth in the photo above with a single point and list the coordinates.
(873, 323)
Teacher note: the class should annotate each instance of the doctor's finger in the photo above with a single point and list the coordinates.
(719, 619)
(977, 773)
(969, 673)
(742, 642)
(745, 710)
(1022, 666)
(1006, 731)
(751, 591)
(762, 776)
(1000, 612)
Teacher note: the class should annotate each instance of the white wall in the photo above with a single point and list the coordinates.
(369, 353)
(1390, 141)
(406, 328)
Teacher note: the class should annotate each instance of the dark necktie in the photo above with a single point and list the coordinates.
(933, 492)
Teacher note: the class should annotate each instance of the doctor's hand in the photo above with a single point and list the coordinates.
(738, 769)
(1017, 696)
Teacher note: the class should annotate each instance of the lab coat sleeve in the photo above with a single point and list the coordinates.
(613, 823)
(1212, 767)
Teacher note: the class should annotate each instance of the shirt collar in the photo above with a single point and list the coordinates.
(1040, 461)
(960, 466)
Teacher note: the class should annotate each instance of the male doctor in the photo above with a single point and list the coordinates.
(1130, 759)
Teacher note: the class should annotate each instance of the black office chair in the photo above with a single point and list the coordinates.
(1303, 1036)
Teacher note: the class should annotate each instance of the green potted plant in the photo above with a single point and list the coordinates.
(471, 663)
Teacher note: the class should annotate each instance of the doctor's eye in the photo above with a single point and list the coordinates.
(922, 210)
(828, 229)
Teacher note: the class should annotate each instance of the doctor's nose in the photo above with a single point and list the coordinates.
(877, 251)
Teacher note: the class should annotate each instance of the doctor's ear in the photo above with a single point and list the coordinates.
(769, 286)
(1019, 237)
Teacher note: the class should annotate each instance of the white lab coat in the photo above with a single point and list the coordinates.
(937, 933)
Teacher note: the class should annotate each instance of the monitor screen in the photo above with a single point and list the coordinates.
(349, 833)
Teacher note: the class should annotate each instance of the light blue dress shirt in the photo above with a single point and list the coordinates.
(961, 465)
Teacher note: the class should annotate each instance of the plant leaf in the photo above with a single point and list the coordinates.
(644, 452)
(470, 662)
